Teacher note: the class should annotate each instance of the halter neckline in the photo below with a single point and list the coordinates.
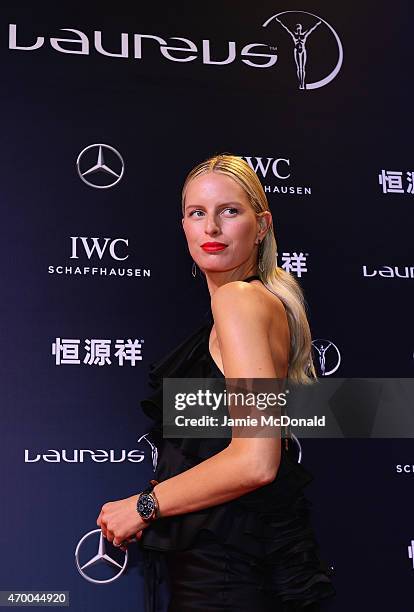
(252, 277)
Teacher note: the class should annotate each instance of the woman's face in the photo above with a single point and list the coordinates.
(219, 223)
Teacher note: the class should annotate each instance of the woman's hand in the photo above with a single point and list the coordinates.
(120, 521)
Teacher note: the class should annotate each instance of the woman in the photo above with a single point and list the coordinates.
(227, 522)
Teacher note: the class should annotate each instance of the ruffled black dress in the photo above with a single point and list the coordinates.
(258, 550)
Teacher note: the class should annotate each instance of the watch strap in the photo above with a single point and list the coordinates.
(151, 486)
(150, 491)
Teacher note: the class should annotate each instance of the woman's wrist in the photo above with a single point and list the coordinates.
(157, 509)
(148, 507)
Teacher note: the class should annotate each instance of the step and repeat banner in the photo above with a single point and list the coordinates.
(104, 111)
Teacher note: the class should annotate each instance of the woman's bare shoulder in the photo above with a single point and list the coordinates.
(246, 299)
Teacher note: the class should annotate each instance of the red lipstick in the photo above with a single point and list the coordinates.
(211, 247)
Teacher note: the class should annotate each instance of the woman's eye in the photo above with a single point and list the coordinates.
(195, 211)
(231, 209)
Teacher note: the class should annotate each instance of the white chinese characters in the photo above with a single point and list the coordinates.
(294, 263)
(393, 181)
(96, 351)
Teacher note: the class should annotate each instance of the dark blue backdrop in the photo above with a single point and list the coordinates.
(341, 199)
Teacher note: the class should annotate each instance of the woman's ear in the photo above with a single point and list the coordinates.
(265, 221)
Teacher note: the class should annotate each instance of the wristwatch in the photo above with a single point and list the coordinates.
(147, 503)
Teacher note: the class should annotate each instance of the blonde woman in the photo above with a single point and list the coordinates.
(226, 523)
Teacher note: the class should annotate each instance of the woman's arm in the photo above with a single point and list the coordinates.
(242, 322)
(229, 474)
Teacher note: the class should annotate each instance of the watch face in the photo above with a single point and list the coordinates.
(146, 505)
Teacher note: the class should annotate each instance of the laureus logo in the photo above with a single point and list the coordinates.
(293, 34)
(300, 26)
(328, 356)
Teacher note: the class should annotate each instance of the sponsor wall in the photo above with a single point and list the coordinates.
(104, 113)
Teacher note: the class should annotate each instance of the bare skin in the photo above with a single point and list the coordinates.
(279, 337)
(249, 339)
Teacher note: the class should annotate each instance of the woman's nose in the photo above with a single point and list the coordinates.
(211, 226)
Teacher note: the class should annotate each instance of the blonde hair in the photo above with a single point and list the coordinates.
(281, 283)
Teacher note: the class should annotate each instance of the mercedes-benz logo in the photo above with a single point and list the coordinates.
(101, 558)
(99, 170)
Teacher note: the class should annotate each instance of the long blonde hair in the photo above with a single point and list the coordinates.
(281, 283)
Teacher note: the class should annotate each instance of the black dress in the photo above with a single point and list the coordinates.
(257, 551)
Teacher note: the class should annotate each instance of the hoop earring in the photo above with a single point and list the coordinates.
(260, 265)
(194, 269)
